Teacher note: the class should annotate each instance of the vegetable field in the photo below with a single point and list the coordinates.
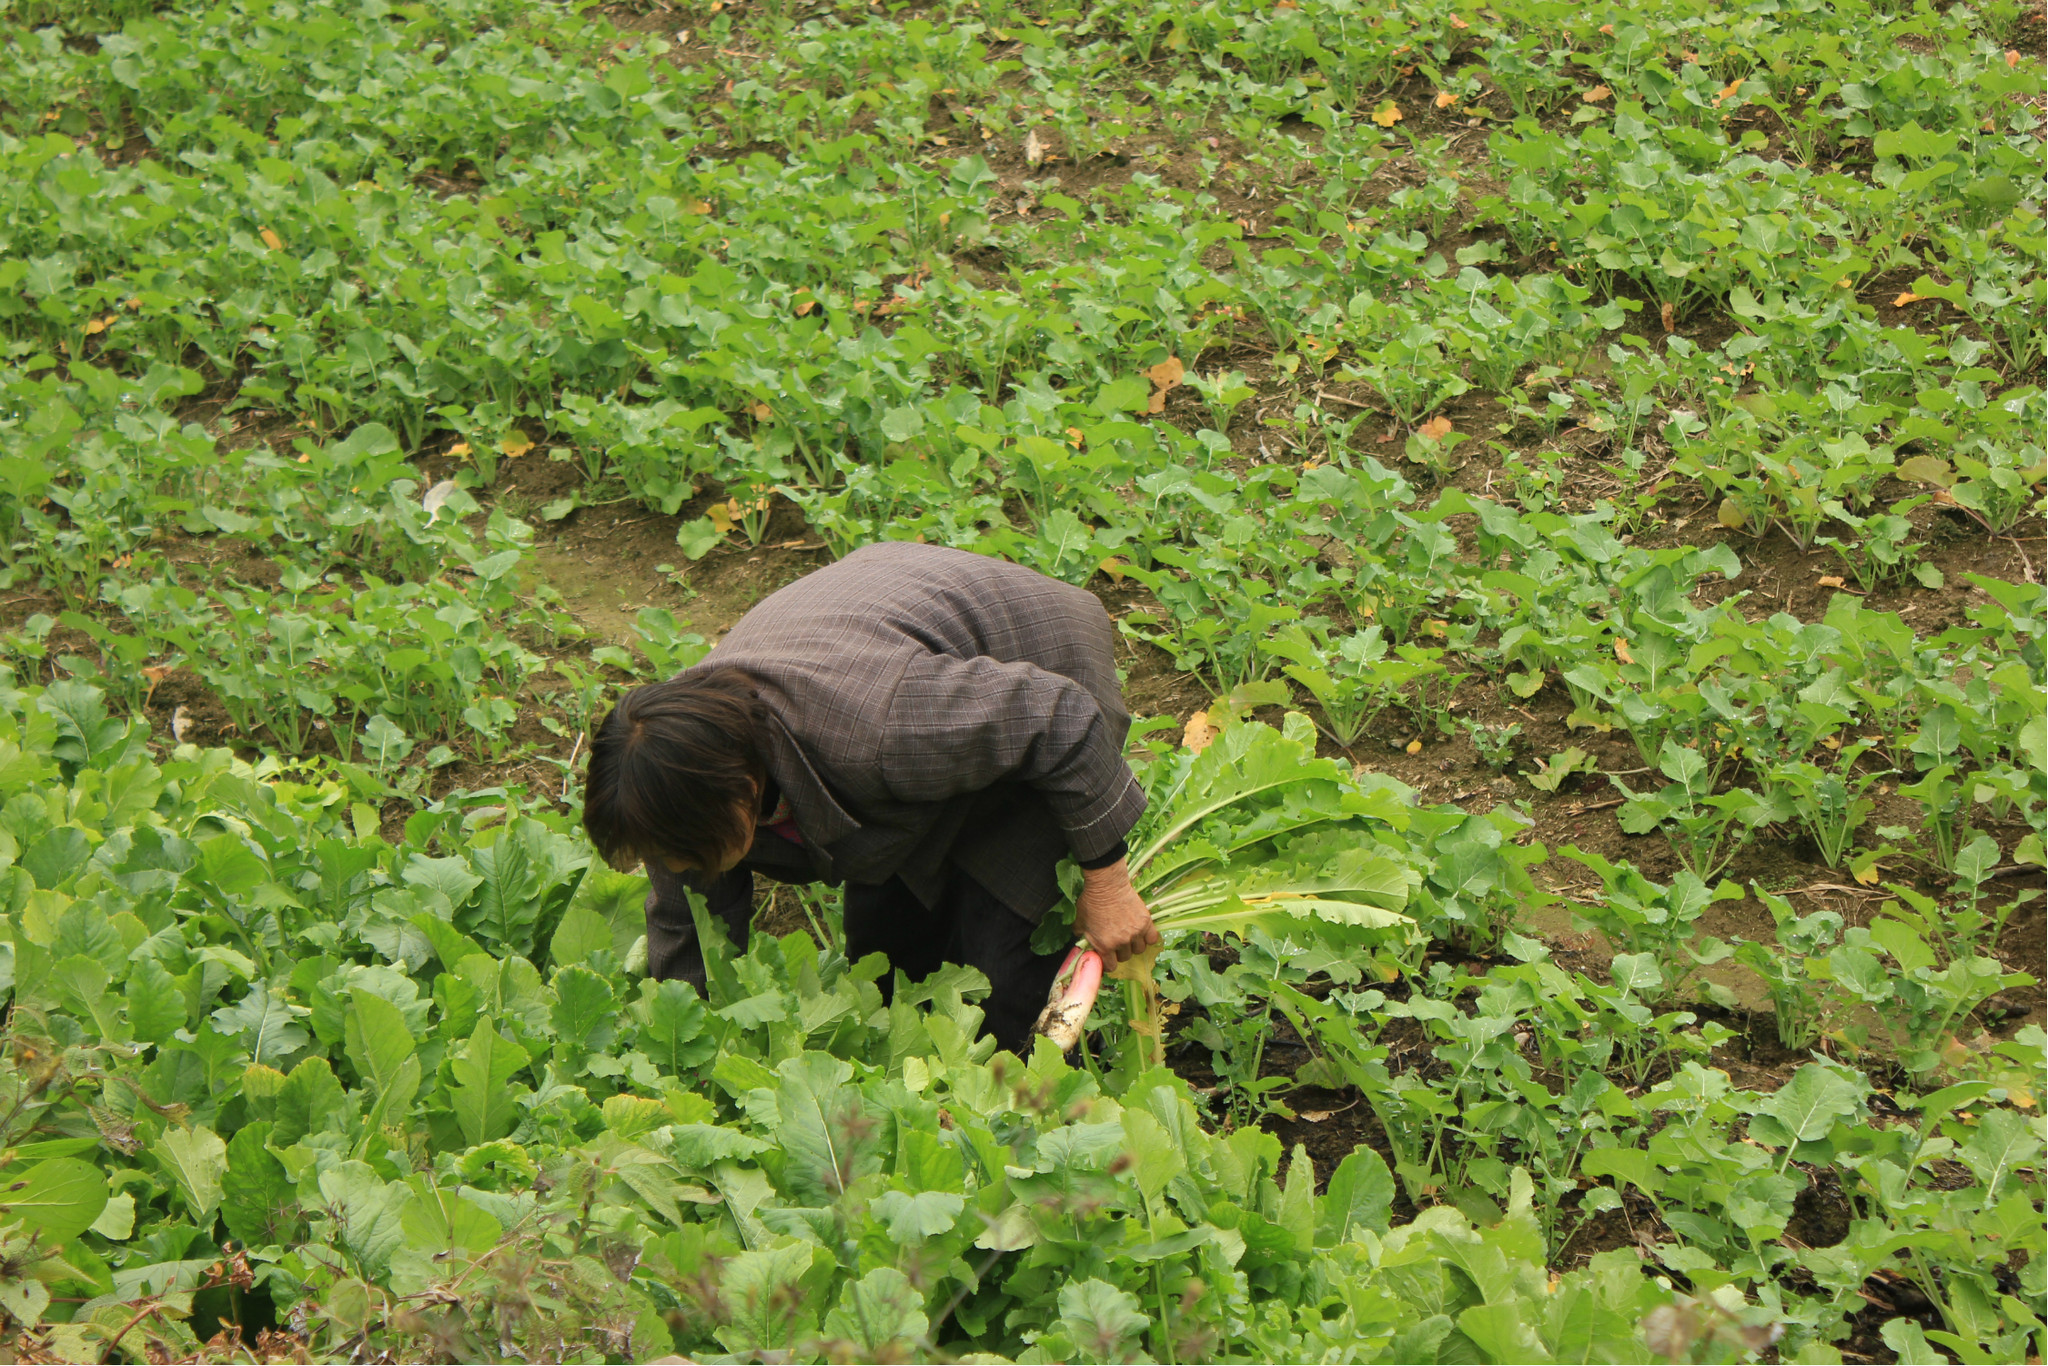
(1568, 479)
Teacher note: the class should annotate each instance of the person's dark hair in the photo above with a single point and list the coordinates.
(673, 770)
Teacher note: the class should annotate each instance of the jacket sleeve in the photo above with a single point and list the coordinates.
(673, 950)
(958, 726)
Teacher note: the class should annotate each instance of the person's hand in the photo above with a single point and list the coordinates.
(1111, 915)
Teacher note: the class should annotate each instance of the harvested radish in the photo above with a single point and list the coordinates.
(1072, 997)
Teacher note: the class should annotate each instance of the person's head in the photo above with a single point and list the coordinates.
(676, 773)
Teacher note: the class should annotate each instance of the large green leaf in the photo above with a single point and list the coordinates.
(1155, 1160)
(528, 875)
(363, 1212)
(2002, 1143)
(829, 1135)
(59, 1197)
(376, 1039)
(437, 1221)
(156, 1007)
(1245, 762)
(259, 1203)
(311, 1101)
(584, 1008)
(1806, 1107)
(507, 899)
(879, 1317)
(196, 1160)
(1359, 1196)
(1326, 877)
(1100, 1319)
(582, 933)
(763, 1292)
(913, 1218)
(700, 1147)
(617, 900)
(672, 1030)
(265, 1023)
(485, 1101)
(56, 855)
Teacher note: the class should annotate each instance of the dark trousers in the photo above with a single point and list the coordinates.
(969, 926)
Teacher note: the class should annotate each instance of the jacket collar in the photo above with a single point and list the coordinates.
(820, 819)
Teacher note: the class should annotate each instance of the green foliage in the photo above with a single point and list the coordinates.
(265, 265)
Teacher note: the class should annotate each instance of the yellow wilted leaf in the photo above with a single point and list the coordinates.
(271, 240)
(1387, 115)
(96, 326)
(721, 515)
(697, 206)
(1076, 437)
(1115, 568)
(1927, 469)
(1909, 297)
(1456, 22)
(1137, 969)
(1415, 746)
(1832, 581)
(459, 451)
(1868, 876)
(2012, 56)
(1197, 734)
(1667, 316)
(1621, 652)
(762, 412)
(2020, 1096)
(1730, 514)
(1445, 99)
(1596, 94)
(1727, 90)
(515, 444)
(1165, 377)
(1436, 429)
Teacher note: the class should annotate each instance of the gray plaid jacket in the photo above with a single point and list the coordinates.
(929, 709)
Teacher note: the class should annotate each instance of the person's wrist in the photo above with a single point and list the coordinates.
(1109, 872)
(1114, 854)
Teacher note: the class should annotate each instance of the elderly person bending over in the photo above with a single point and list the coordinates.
(934, 729)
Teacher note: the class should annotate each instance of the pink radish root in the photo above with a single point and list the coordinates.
(1072, 997)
